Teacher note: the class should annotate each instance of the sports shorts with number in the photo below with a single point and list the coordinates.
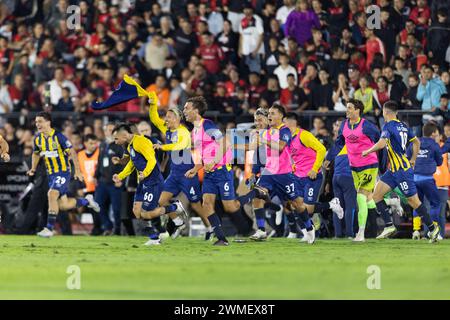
(59, 181)
(220, 182)
(282, 185)
(309, 189)
(189, 186)
(365, 179)
(403, 179)
(148, 192)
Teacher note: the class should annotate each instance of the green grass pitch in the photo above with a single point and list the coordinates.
(189, 268)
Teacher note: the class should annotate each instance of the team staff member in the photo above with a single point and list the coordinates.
(56, 150)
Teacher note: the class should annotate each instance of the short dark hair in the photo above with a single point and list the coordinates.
(428, 129)
(46, 115)
(280, 108)
(90, 136)
(391, 105)
(445, 96)
(198, 103)
(358, 105)
(121, 127)
(292, 116)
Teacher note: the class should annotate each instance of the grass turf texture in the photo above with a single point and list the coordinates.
(189, 268)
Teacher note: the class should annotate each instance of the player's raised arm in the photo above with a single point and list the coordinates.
(153, 113)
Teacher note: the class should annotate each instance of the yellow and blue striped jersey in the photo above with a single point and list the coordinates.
(178, 142)
(397, 136)
(55, 151)
(142, 159)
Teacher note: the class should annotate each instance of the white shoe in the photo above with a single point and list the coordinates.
(259, 235)
(164, 236)
(359, 236)
(387, 232)
(152, 242)
(311, 236)
(279, 216)
(45, 233)
(305, 236)
(180, 210)
(292, 235)
(416, 235)
(396, 205)
(92, 203)
(271, 234)
(439, 237)
(178, 230)
(335, 206)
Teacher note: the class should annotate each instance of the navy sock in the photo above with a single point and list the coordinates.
(260, 220)
(247, 197)
(170, 208)
(82, 202)
(383, 209)
(216, 225)
(51, 220)
(151, 230)
(305, 219)
(321, 206)
(292, 223)
(426, 218)
(240, 222)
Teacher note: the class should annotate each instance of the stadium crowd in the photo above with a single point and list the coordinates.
(240, 55)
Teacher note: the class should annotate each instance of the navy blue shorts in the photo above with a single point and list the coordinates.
(309, 189)
(402, 179)
(148, 192)
(60, 182)
(220, 183)
(179, 183)
(427, 188)
(282, 185)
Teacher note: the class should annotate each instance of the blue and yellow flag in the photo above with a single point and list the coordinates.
(128, 89)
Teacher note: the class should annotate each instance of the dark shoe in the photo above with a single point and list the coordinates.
(221, 243)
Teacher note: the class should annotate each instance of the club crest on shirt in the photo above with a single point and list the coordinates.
(132, 153)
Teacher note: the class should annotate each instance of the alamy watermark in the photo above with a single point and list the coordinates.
(73, 281)
(374, 280)
(373, 17)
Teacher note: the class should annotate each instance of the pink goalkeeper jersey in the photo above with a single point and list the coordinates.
(304, 157)
(204, 139)
(356, 142)
(278, 162)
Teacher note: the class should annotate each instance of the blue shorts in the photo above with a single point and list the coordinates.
(59, 181)
(221, 183)
(309, 189)
(427, 188)
(281, 185)
(148, 192)
(402, 179)
(179, 183)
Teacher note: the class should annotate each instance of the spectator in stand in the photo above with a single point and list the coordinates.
(445, 78)
(228, 40)
(342, 93)
(401, 70)
(310, 81)
(300, 22)
(381, 94)
(322, 96)
(430, 89)
(338, 18)
(251, 40)
(65, 103)
(284, 11)
(438, 38)
(365, 94)
(234, 81)
(400, 14)
(156, 52)
(163, 93)
(358, 28)
(211, 54)
(185, 42)
(271, 94)
(255, 89)
(398, 88)
(337, 64)
(58, 83)
(354, 75)
(373, 45)
(283, 70)
(272, 56)
(387, 34)
(442, 114)
(293, 98)
(420, 15)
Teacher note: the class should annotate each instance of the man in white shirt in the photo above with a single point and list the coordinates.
(251, 32)
(58, 83)
(283, 70)
(284, 11)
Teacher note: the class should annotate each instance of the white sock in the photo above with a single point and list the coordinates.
(209, 229)
(178, 221)
(305, 232)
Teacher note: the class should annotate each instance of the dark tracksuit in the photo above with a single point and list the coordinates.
(344, 190)
(106, 192)
(428, 159)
